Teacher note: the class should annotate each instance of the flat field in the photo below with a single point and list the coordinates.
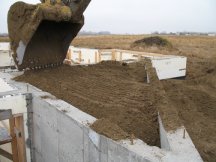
(4, 39)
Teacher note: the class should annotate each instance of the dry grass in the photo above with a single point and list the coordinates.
(4, 39)
(199, 46)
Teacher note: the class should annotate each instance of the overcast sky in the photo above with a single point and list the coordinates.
(141, 16)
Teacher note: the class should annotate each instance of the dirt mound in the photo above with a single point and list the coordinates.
(107, 91)
(152, 41)
(109, 129)
(195, 100)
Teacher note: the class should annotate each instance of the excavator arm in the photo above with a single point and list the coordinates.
(41, 34)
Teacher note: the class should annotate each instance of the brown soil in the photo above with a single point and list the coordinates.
(105, 127)
(195, 100)
(192, 99)
(107, 91)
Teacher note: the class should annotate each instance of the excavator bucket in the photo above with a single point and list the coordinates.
(41, 34)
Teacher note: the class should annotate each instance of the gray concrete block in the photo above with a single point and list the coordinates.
(70, 139)
(103, 149)
(163, 135)
(134, 157)
(36, 106)
(94, 146)
(37, 133)
(85, 145)
(38, 156)
(117, 153)
(49, 143)
(49, 134)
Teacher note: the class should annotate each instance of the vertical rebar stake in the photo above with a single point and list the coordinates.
(184, 134)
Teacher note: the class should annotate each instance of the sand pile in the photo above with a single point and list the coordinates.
(154, 41)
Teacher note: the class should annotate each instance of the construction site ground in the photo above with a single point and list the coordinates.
(195, 97)
(119, 96)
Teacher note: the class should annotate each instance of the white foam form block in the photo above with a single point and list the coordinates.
(4, 86)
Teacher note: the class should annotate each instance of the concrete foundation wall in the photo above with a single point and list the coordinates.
(60, 133)
(5, 59)
(167, 66)
(63, 135)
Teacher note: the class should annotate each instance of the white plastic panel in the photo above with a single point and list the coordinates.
(5, 87)
(4, 46)
(170, 67)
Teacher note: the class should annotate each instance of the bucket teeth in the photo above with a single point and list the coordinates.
(39, 67)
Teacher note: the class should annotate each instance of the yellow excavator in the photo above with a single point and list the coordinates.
(41, 34)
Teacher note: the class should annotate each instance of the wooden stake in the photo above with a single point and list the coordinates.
(20, 136)
(96, 56)
(67, 56)
(99, 56)
(14, 141)
(120, 56)
(80, 56)
(132, 137)
(47, 2)
(58, 1)
(184, 134)
(70, 54)
(113, 55)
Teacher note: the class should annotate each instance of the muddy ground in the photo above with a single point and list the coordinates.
(117, 95)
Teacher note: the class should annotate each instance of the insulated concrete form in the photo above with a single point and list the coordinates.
(4, 86)
(167, 66)
(60, 132)
(6, 59)
(4, 46)
(5, 55)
